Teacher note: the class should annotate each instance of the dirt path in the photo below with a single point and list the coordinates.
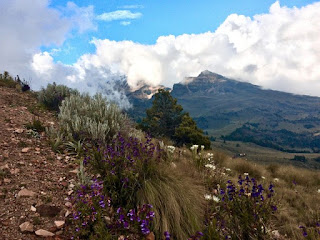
(28, 163)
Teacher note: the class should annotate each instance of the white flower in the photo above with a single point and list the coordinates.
(202, 147)
(263, 177)
(228, 169)
(215, 198)
(319, 190)
(246, 174)
(208, 196)
(276, 179)
(191, 148)
(195, 147)
(213, 167)
(171, 149)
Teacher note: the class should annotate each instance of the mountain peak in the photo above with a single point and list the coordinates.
(207, 73)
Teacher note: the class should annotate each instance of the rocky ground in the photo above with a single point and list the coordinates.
(34, 181)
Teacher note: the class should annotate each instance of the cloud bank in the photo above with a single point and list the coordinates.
(278, 50)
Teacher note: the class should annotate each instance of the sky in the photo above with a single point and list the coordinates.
(86, 44)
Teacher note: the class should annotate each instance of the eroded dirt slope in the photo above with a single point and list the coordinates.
(29, 167)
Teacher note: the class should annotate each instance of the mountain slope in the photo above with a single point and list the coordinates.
(246, 112)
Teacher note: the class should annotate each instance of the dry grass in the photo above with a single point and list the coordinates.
(296, 193)
(177, 198)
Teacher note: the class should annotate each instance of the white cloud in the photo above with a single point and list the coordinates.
(132, 6)
(42, 63)
(26, 25)
(82, 18)
(125, 23)
(119, 15)
(278, 50)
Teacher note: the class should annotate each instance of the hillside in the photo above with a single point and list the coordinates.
(43, 194)
(34, 181)
(240, 111)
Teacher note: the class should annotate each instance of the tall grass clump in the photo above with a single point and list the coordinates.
(177, 200)
(134, 173)
(95, 119)
(53, 95)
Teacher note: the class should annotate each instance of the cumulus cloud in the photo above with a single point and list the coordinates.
(26, 25)
(278, 50)
(118, 15)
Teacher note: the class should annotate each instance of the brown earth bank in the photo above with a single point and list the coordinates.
(34, 181)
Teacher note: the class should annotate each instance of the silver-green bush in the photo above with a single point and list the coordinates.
(53, 95)
(92, 118)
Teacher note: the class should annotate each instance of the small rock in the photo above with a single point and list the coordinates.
(64, 183)
(6, 180)
(75, 171)
(59, 224)
(150, 236)
(37, 149)
(67, 213)
(26, 227)
(25, 150)
(48, 210)
(71, 186)
(15, 171)
(4, 167)
(19, 130)
(68, 204)
(70, 192)
(44, 233)
(33, 209)
(26, 193)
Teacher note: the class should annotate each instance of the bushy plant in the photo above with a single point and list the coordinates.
(134, 174)
(166, 119)
(53, 95)
(123, 165)
(7, 81)
(94, 217)
(35, 125)
(90, 206)
(242, 212)
(83, 117)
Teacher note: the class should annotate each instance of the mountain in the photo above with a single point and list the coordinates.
(240, 111)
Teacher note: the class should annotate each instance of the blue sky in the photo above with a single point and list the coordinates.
(85, 44)
(158, 18)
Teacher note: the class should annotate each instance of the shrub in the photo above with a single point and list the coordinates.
(53, 95)
(36, 126)
(83, 117)
(134, 174)
(7, 81)
(241, 212)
